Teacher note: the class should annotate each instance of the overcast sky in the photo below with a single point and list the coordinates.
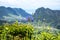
(31, 5)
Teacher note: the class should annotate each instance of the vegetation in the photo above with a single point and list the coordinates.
(21, 31)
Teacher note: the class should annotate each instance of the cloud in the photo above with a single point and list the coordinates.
(31, 4)
(12, 17)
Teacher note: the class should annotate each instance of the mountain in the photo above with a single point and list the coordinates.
(2, 22)
(12, 14)
(47, 15)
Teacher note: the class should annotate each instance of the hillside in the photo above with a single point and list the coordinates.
(12, 14)
(47, 15)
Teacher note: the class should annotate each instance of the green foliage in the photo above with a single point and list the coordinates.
(21, 31)
(16, 29)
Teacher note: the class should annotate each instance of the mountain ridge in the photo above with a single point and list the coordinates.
(8, 11)
(47, 15)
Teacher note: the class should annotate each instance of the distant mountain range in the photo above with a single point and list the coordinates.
(43, 14)
(47, 15)
(11, 14)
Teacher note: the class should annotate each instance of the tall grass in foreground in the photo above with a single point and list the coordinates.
(23, 31)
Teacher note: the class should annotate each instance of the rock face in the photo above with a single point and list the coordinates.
(47, 15)
(11, 14)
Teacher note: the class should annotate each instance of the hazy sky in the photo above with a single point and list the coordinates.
(31, 5)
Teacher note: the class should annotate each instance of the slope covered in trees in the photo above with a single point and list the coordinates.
(47, 15)
(12, 14)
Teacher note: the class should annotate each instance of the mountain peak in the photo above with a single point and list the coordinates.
(47, 15)
(42, 8)
(15, 12)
